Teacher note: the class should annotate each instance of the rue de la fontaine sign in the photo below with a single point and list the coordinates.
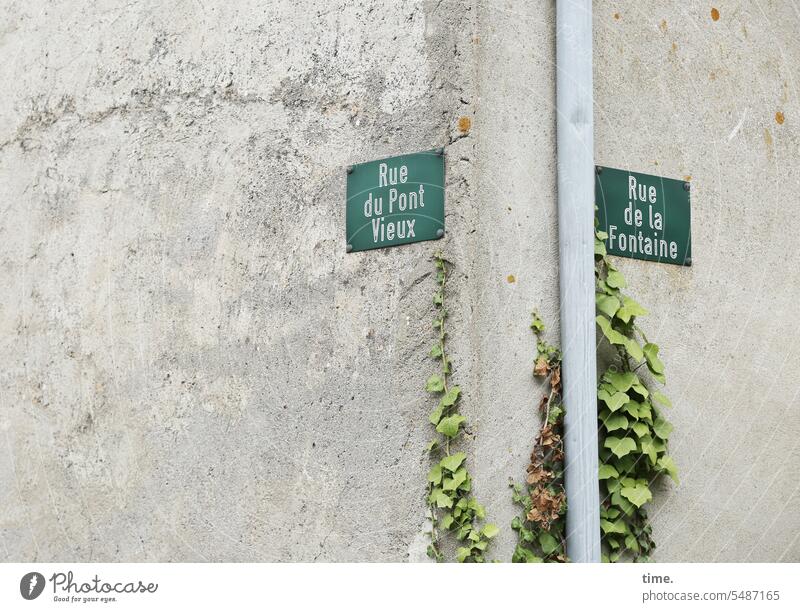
(644, 216)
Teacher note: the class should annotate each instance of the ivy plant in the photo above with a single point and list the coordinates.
(452, 510)
(633, 432)
(541, 526)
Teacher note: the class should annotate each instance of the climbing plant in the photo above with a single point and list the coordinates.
(540, 528)
(452, 509)
(633, 432)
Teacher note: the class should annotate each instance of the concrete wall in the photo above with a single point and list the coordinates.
(192, 367)
(681, 95)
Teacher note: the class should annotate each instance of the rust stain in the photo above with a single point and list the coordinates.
(674, 47)
(616, 15)
(712, 76)
(511, 278)
(687, 178)
(464, 124)
(663, 25)
(714, 14)
(779, 118)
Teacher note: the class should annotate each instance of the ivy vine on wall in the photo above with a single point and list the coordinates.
(452, 510)
(541, 527)
(633, 432)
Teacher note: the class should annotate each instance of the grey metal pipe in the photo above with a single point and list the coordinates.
(574, 136)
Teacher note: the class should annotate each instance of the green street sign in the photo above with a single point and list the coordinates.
(644, 216)
(397, 200)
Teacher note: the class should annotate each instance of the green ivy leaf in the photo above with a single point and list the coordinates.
(638, 495)
(622, 381)
(620, 446)
(630, 308)
(616, 401)
(622, 503)
(616, 280)
(452, 462)
(462, 554)
(440, 498)
(611, 334)
(452, 484)
(607, 471)
(617, 526)
(607, 304)
(668, 465)
(649, 448)
(599, 248)
(435, 474)
(640, 429)
(480, 511)
(447, 521)
(616, 421)
(435, 384)
(634, 350)
(436, 351)
(613, 485)
(451, 396)
(653, 362)
(632, 408)
(662, 399)
(449, 425)
(662, 427)
(547, 542)
(490, 530)
(641, 390)
(436, 415)
(523, 555)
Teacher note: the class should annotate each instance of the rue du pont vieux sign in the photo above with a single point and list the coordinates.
(646, 217)
(397, 200)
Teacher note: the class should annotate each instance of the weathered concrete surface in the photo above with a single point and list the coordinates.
(681, 95)
(192, 368)
(516, 183)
